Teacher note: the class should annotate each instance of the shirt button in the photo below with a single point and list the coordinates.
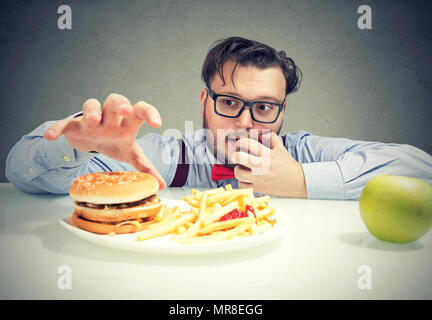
(66, 158)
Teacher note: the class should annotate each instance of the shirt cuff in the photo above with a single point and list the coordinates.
(323, 180)
(75, 115)
(61, 154)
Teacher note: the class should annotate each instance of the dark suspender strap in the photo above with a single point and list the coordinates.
(182, 171)
(283, 139)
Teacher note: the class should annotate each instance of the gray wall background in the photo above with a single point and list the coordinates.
(360, 84)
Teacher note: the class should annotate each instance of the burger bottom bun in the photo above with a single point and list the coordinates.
(149, 209)
(105, 228)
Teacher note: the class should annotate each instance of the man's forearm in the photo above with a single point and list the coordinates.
(36, 165)
(346, 175)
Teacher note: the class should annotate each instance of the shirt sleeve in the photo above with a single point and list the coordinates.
(36, 165)
(336, 168)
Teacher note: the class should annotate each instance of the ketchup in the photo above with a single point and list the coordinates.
(251, 209)
(236, 213)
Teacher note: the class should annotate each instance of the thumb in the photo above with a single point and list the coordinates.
(143, 164)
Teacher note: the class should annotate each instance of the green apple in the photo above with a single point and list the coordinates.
(397, 208)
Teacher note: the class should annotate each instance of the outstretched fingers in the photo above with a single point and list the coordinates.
(142, 112)
(92, 113)
(115, 108)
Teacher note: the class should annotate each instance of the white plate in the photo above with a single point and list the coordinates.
(164, 245)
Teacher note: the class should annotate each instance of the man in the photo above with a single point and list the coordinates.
(242, 107)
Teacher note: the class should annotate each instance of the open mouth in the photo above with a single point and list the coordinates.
(236, 138)
(233, 139)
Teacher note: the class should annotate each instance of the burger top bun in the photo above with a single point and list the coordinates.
(113, 187)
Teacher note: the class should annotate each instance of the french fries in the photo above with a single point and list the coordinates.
(220, 236)
(215, 215)
(219, 213)
(165, 228)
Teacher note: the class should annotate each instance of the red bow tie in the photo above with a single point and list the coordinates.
(221, 172)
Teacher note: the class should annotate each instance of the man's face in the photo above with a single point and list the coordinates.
(250, 84)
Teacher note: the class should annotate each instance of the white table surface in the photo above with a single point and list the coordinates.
(325, 243)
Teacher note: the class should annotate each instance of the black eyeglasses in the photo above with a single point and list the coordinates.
(232, 107)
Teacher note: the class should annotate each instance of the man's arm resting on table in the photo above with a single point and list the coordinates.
(340, 168)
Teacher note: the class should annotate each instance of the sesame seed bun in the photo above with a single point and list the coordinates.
(113, 187)
(118, 202)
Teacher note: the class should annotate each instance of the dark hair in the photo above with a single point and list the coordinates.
(249, 53)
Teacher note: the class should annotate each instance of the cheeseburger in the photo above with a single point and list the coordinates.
(114, 202)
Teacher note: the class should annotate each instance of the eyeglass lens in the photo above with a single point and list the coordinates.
(261, 111)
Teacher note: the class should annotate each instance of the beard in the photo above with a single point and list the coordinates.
(222, 143)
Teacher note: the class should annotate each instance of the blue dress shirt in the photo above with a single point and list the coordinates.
(334, 168)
